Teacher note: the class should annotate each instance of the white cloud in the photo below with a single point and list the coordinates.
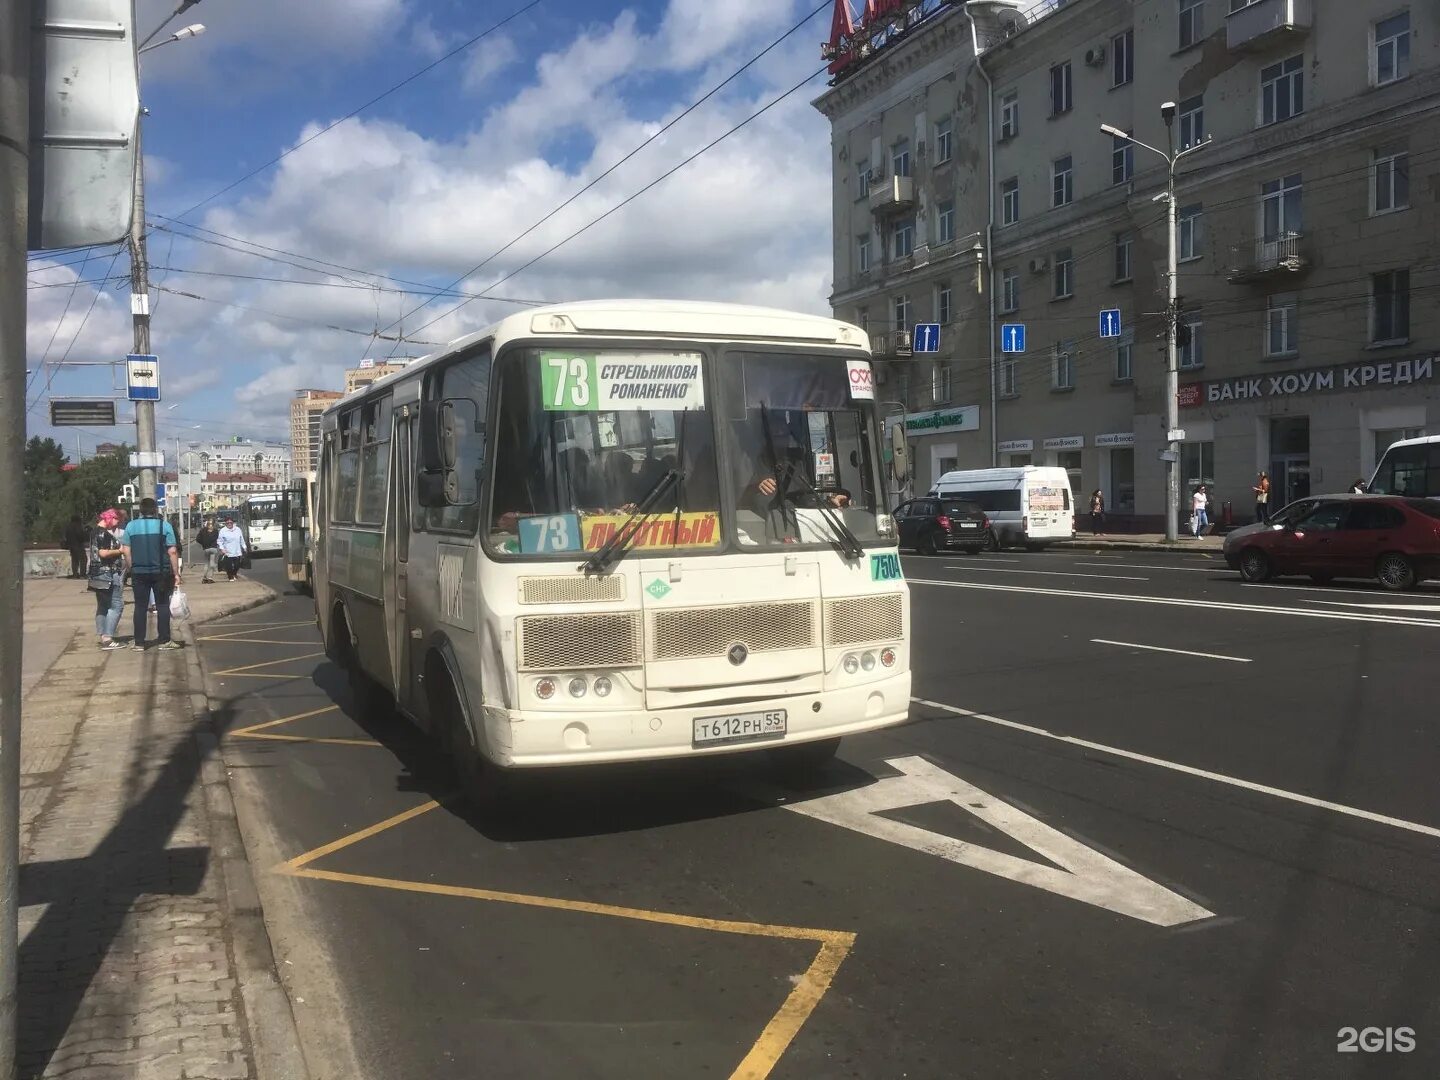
(486, 60)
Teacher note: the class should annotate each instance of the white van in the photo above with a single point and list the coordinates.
(1030, 506)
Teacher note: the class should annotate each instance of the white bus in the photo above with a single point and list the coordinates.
(1409, 467)
(264, 522)
(1029, 506)
(618, 530)
(298, 513)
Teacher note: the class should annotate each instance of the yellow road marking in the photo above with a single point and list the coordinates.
(316, 739)
(252, 641)
(259, 675)
(778, 1034)
(271, 663)
(252, 628)
(257, 731)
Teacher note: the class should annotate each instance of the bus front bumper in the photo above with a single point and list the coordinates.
(535, 738)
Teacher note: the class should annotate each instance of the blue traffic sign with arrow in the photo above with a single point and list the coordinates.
(1110, 322)
(926, 337)
(1012, 337)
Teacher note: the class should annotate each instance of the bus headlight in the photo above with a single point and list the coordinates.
(603, 686)
(868, 661)
(545, 689)
(578, 687)
(851, 664)
(888, 657)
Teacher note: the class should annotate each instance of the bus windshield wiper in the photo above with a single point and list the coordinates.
(614, 549)
(846, 539)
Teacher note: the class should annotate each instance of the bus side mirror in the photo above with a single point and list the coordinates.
(442, 424)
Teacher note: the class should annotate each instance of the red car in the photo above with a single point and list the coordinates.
(1394, 540)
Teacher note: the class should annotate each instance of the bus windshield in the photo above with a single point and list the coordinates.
(584, 435)
(1409, 469)
(263, 511)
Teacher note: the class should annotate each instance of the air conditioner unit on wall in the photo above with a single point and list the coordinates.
(1040, 265)
(1096, 56)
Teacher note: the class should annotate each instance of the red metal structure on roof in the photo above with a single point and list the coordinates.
(882, 23)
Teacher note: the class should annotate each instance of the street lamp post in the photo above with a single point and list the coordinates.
(1172, 311)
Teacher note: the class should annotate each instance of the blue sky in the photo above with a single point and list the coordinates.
(425, 184)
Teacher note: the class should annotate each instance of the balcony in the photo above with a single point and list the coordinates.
(893, 195)
(1285, 255)
(1263, 24)
(891, 345)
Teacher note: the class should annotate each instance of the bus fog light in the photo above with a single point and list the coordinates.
(851, 664)
(603, 687)
(545, 689)
(887, 657)
(868, 661)
(578, 687)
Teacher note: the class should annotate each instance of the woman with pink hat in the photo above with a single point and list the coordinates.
(107, 577)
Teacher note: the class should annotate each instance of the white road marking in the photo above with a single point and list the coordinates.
(1157, 648)
(1088, 876)
(1330, 589)
(1171, 601)
(1046, 573)
(1378, 607)
(1190, 770)
(1146, 566)
(983, 558)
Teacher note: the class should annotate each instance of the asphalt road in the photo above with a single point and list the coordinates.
(1146, 821)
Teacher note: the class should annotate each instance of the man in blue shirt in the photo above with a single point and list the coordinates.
(154, 561)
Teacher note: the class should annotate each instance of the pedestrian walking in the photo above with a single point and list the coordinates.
(209, 540)
(106, 572)
(154, 560)
(232, 547)
(1262, 498)
(1097, 512)
(1199, 518)
(77, 541)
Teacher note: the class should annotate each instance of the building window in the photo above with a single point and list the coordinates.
(1124, 245)
(1392, 48)
(862, 253)
(1197, 466)
(1061, 89)
(940, 384)
(900, 158)
(1125, 357)
(1010, 201)
(1122, 160)
(1191, 227)
(944, 141)
(1010, 114)
(1282, 90)
(862, 319)
(1280, 208)
(1192, 121)
(1062, 181)
(944, 305)
(1122, 58)
(1192, 22)
(862, 180)
(902, 312)
(1064, 274)
(1009, 290)
(1390, 307)
(904, 239)
(1191, 352)
(1008, 384)
(1391, 189)
(1063, 362)
(945, 222)
(1281, 331)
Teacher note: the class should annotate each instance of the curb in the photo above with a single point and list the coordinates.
(274, 1038)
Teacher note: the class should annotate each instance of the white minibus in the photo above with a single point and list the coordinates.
(1409, 467)
(1028, 506)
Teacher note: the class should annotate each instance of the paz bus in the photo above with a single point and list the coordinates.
(617, 530)
(263, 522)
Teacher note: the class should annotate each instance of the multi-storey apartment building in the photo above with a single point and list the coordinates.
(1304, 239)
(368, 372)
(240, 457)
(306, 408)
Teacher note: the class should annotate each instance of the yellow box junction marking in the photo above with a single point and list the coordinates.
(778, 1034)
(260, 731)
(245, 668)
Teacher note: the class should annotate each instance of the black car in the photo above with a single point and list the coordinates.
(932, 525)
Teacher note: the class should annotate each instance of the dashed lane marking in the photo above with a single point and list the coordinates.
(778, 1034)
(1046, 573)
(1190, 770)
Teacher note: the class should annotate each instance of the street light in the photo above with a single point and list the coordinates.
(185, 5)
(1172, 310)
(193, 30)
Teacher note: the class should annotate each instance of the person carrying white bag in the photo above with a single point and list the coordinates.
(179, 606)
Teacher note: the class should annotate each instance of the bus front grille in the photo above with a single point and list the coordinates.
(566, 642)
(688, 633)
(571, 590)
(859, 620)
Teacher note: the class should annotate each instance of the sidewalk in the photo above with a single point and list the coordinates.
(1145, 542)
(131, 966)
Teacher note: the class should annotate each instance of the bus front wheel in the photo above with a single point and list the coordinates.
(485, 786)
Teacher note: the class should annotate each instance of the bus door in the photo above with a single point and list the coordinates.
(398, 540)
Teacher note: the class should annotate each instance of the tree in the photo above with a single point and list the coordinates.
(44, 459)
(85, 490)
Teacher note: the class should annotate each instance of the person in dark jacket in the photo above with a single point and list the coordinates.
(77, 542)
(209, 540)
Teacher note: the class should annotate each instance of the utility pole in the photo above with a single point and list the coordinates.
(140, 307)
(14, 227)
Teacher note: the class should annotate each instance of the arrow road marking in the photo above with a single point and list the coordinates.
(1087, 876)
